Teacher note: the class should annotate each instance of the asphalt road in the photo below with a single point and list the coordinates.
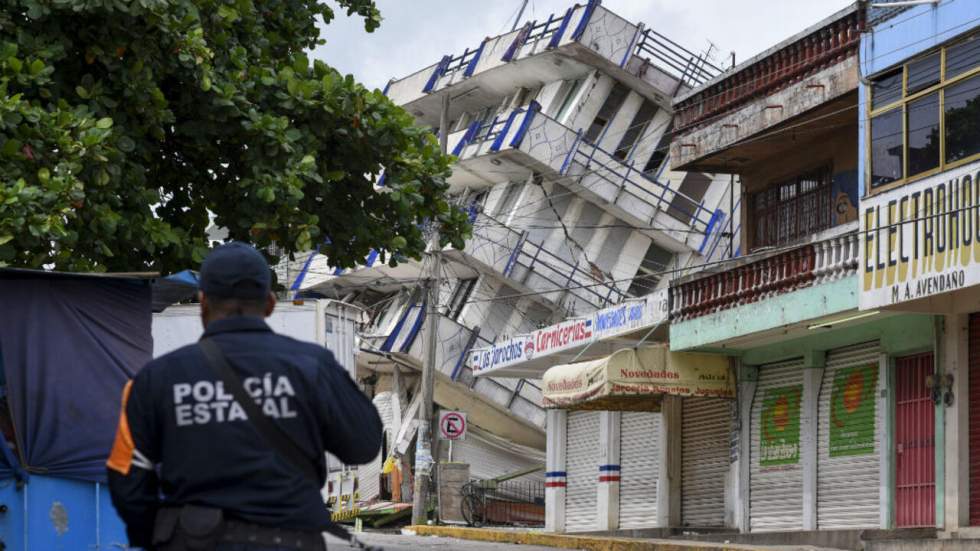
(390, 542)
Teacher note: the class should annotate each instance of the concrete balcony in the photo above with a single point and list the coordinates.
(532, 268)
(564, 46)
(518, 398)
(770, 299)
(811, 76)
(526, 139)
(810, 264)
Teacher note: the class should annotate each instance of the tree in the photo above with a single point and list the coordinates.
(126, 124)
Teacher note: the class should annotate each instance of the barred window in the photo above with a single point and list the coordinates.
(790, 210)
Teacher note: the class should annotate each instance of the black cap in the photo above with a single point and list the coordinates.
(235, 270)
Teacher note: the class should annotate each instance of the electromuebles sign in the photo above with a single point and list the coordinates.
(852, 411)
(780, 423)
(921, 239)
(621, 319)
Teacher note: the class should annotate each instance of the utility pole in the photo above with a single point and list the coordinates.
(520, 14)
(424, 461)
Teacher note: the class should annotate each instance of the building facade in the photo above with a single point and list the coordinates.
(919, 158)
(561, 131)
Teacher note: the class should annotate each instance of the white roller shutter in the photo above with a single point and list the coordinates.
(775, 492)
(369, 474)
(582, 469)
(705, 433)
(848, 483)
(639, 459)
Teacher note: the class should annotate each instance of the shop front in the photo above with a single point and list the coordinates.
(920, 234)
(638, 440)
(835, 428)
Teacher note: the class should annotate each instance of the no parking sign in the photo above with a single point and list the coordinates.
(452, 425)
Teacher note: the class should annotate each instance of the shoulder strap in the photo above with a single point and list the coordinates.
(273, 435)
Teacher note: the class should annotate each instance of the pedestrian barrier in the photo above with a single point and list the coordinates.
(506, 503)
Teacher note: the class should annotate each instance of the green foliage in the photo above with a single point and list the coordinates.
(123, 123)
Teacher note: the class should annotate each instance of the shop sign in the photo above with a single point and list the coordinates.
(631, 315)
(503, 354)
(780, 441)
(561, 336)
(852, 411)
(921, 239)
(645, 371)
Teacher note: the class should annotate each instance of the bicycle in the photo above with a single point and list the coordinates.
(474, 504)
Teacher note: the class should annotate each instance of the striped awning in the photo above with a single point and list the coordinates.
(635, 379)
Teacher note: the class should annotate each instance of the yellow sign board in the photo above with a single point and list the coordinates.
(921, 239)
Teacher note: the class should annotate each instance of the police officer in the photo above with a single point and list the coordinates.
(191, 470)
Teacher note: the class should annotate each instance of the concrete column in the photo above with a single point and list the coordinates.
(609, 470)
(812, 378)
(669, 475)
(556, 440)
(956, 355)
(748, 377)
(886, 405)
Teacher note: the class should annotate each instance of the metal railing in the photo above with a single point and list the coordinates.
(805, 266)
(691, 68)
(507, 503)
(598, 163)
(602, 164)
(555, 272)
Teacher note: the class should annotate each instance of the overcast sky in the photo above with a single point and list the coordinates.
(416, 33)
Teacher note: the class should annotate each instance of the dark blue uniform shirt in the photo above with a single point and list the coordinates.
(182, 436)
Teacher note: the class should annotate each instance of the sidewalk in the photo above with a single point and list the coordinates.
(589, 543)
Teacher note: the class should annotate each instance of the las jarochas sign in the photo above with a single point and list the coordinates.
(922, 239)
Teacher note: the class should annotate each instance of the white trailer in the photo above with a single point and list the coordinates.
(329, 323)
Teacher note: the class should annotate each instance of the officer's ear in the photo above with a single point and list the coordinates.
(205, 308)
(270, 304)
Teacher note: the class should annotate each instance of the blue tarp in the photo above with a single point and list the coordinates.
(68, 346)
(174, 288)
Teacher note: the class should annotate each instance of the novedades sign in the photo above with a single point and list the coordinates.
(921, 239)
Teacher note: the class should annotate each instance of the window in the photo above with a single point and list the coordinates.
(923, 109)
(568, 99)
(636, 129)
(923, 133)
(654, 263)
(606, 113)
(684, 205)
(887, 153)
(508, 200)
(963, 56)
(793, 209)
(659, 155)
(461, 295)
(962, 112)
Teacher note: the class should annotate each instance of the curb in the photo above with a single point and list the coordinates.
(589, 543)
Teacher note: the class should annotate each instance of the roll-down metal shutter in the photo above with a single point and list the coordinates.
(974, 418)
(705, 433)
(775, 491)
(848, 414)
(639, 459)
(582, 470)
(369, 474)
